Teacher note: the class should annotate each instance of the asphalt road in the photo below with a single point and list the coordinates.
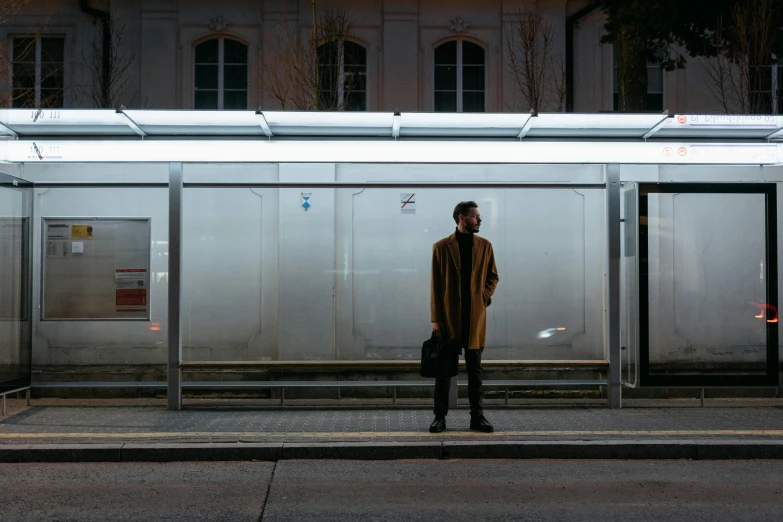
(429, 490)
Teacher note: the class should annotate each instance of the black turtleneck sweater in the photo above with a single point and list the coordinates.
(465, 242)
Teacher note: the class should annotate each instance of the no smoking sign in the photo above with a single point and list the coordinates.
(407, 203)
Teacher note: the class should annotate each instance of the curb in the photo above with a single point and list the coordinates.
(364, 450)
(182, 452)
(612, 449)
(61, 453)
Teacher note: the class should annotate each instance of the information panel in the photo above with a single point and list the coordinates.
(96, 268)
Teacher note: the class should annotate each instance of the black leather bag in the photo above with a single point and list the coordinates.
(439, 357)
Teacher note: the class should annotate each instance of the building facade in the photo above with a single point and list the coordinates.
(406, 55)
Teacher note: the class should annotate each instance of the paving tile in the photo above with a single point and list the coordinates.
(99, 424)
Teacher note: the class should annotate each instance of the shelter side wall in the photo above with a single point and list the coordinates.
(96, 342)
(348, 278)
(548, 246)
(230, 264)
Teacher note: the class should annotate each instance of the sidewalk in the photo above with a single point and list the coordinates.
(115, 430)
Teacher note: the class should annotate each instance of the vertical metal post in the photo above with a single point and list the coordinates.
(453, 395)
(3, 406)
(28, 396)
(175, 287)
(613, 283)
(28, 211)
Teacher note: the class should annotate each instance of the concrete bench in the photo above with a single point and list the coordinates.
(411, 365)
(408, 364)
(282, 385)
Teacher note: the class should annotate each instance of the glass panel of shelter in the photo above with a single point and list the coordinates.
(340, 249)
(629, 290)
(707, 285)
(15, 279)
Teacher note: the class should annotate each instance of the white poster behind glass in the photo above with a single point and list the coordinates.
(96, 268)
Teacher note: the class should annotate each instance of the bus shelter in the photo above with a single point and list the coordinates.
(641, 246)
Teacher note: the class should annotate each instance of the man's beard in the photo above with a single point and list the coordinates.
(470, 229)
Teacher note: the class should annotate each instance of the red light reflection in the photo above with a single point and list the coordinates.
(763, 307)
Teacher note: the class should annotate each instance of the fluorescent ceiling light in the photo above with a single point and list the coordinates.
(388, 151)
(322, 123)
(593, 125)
(329, 119)
(146, 118)
(729, 126)
(727, 121)
(194, 123)
(462, 125)
(467, 120)
(65, 122)
(25, 123)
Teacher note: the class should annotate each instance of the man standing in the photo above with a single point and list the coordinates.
(464, 277)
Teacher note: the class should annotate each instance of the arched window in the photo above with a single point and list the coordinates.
(220, 74)
(459, 77)
(342, 76)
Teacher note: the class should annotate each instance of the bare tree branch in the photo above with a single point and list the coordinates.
(9, 8)
(538, 74)
(722, 72)
(740, 72)
(310, 74)
(560, 84)
(109, 92)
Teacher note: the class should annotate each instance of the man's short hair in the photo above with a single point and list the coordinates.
(462, 209)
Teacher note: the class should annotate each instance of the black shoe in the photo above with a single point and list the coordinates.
(481, 424)
(438, 425)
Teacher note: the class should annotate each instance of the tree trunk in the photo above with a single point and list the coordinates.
(760, 88)
(631, 72)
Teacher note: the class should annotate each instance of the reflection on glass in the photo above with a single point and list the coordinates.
(549, 332)
(15, 349)
(706, 284)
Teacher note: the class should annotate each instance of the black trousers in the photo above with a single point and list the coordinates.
(475, 392)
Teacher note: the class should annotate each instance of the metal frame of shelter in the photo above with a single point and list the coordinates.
(177, 137)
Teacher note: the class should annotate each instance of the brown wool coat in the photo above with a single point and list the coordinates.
(445, 285)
